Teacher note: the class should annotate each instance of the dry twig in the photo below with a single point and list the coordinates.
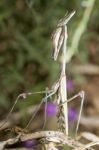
(46, 138)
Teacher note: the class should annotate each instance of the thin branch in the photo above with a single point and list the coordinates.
(57, 138)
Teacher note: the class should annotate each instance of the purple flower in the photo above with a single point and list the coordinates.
(70, 85)
(72, 114)
(29, 143)
(51, 109)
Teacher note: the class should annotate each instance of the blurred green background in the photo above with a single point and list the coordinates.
(25, 48)
(25, 45)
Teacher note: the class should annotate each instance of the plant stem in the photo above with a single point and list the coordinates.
(79, 31)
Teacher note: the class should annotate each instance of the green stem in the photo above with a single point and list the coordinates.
(79, 31)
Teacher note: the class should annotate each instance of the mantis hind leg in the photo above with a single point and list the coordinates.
(81, 95)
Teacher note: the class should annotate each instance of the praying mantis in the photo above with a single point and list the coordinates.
(58, 37)
(58, 93)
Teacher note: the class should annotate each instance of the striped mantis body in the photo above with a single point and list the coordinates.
(59, 39)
